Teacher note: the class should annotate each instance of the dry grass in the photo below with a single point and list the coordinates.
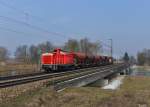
(133, 93)
(10, 93)
(75, 97)
(19, 68)
(145, 68)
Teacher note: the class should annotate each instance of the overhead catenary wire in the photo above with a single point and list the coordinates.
(20, 11)
(11, 7)
(25, 23)
(14, 31)
(22, 32)
(38, 28)
(31, 26)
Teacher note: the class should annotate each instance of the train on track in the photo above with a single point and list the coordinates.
(62, 60)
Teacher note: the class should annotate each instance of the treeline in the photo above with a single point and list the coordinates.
(129, 59)
(143, 57)
(4, 54)
(83, 45)
(31, 54)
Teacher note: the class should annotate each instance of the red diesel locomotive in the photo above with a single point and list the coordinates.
(59, 60)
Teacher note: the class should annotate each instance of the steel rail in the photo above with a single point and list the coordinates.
(92, 71)
(62, 84)
(8, 83)
(9, 78)
(2, 78)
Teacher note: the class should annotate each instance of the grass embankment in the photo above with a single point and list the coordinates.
(133, 93)
(18, 68)
(143, 68)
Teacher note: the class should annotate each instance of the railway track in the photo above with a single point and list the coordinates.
(54, 77)
(5, 78)
(2, 78)
(100, 70)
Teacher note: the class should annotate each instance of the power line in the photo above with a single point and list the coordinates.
(35, 17)
(24, 23)
(39, 28)
(31, 26)
(14, 31)
(11, 7)
(19, 10)
(20, 32)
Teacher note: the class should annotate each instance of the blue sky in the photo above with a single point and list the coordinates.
(127, 22)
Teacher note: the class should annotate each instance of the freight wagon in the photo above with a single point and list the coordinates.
(61, 60)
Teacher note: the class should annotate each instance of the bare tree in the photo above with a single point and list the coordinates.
(3, 54)
(141, 58)
(89, 47)
(22, 54)
(72, 45)
(84, 45)
(144, 57)
(45, 47)
(94, 47)
(34, 54)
